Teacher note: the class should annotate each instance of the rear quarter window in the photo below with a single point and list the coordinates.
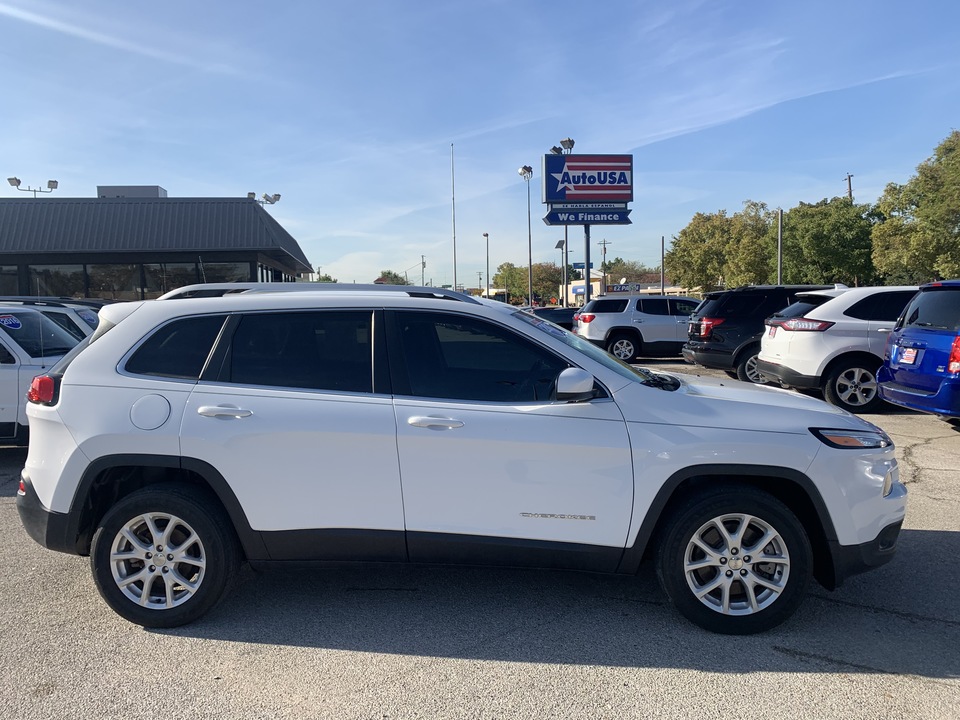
(178, 349)
(934, 309)
(614, 305)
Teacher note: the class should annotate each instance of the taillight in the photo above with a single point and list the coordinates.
(587, 317)
(953, 365)
(42, 390)
(805, 325)
(708, 324)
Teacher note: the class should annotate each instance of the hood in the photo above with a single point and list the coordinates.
(731, 404)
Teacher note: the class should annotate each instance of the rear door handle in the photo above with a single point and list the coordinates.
(223, 411)
(437, 423)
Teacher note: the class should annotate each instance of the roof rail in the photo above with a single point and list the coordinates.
(220, 289)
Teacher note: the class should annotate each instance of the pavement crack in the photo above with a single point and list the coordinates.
(886, 611)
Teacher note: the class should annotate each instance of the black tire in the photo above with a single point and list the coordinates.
(186, 525)
(624, 346)
(732, 374)
(778, 587)
(852, 385)
(747, 367)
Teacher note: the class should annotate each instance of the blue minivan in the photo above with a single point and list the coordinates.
(921, 365)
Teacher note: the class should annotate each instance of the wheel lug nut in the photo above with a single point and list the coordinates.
(742, 572)
(153, 568)
(170, 556)
(723, 561)
(746, 558)
(149, 555)
(729, 573)
(734, 551)
(159, 548)
(166, 570)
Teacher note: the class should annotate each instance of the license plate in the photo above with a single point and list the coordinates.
(772, 331)
(909, 356)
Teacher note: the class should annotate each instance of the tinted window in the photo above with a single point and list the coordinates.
(881, 306)
(179, 349)
(613, 305)
(742, 304)
(802, 306)
(654, 306)
(682, 307)
(66, 323)
(464, 358)
(936, 309)
(313, 350)
(37, 335)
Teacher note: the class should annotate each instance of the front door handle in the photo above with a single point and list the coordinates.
(223, 411)
(436, 423)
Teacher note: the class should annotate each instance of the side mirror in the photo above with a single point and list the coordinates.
(575, 385)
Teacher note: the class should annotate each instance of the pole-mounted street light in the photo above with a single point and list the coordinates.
(51, 186)
(486, 237)
(565, 148)
(266, 199)
(526, 172)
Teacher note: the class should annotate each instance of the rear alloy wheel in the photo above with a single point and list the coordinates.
(163, 556)
(747, 367)
(852, 385)
(736, 561)
(624, 347)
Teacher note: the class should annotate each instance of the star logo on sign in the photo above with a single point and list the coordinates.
(559, 176)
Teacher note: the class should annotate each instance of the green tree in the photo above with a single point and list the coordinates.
(917, 237)
(749, 256)
(547, 279)
(325, 277)
(630, 270)
(697, 256)
(389, 277)
(828, 242)
(514, 279)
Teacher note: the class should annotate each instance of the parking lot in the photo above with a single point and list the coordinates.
(397, 642)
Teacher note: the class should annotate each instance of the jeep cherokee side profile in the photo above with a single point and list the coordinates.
(420, 425)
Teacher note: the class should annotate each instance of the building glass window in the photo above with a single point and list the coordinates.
(164, 277)
(114, 282)
(57, 280)
(9, 284)
(216, 272)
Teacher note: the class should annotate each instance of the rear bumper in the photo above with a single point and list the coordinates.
(786, 376)
(698, 354)
(49, 528)
(945, 401)
(851, 560)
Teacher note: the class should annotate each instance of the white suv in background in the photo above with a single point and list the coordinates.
(630, 326)
(411, 424)
(832, 341)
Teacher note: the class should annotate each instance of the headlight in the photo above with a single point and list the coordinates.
(853, 439)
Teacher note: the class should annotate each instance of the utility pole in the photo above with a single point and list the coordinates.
(423, 265)
(603, 244)
(849, 187)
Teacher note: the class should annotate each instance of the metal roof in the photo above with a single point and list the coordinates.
(101, 225)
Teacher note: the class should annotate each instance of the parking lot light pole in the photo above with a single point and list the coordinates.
(562, 247)
(526, 172)
(486, 237)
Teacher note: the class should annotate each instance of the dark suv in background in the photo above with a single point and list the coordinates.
(725, 329)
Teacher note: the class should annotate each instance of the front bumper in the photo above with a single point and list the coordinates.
(50, 529)
(851, 560)
(785, 376)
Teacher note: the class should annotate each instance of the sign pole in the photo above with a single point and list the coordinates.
(586, 264)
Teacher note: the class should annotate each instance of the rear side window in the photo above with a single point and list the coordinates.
(880, 306)
(934, 309)
(326, 350)
(682, 307)
(178, 349)
(802, 306)
(654, 306)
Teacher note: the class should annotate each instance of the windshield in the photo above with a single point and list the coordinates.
(587, 348)
(36, 334)
(935, 309)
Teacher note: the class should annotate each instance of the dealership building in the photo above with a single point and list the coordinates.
(135, 243)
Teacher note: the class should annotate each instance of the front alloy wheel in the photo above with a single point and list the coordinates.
(164, 555)
(735, 561)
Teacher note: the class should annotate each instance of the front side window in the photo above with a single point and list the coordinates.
(326, 350)
(178, 349)
(465, 358)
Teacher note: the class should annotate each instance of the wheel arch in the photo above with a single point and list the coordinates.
(850, 355)
(631, 332)
(791, 487)
(112, 477)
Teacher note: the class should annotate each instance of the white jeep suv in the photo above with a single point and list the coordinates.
(833, 341)
(405, 424)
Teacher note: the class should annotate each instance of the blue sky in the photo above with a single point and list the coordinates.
(349, 110)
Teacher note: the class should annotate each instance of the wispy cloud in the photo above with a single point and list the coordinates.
(129, 46)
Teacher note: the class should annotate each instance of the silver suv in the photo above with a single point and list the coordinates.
(630, 326)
